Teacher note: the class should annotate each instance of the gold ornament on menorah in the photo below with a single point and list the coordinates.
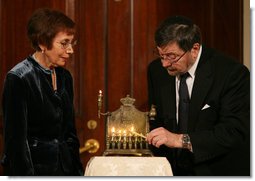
(126, 128)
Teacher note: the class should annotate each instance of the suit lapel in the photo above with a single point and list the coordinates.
(202, 84)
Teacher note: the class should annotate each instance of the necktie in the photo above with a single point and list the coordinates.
(183, 104)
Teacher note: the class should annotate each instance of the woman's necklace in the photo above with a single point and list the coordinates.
(53, 74)
(54, 79)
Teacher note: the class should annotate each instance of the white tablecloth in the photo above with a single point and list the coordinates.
(128, 166)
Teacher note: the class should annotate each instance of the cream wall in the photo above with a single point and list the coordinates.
(247, 34)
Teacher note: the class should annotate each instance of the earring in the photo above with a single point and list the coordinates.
(42, 51)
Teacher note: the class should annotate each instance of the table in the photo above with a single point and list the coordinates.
(128, 166)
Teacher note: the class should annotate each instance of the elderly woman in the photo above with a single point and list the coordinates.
(39, 127)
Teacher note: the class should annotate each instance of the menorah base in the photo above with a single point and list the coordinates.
(128, 152)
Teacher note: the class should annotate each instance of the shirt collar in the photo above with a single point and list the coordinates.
(192, 70)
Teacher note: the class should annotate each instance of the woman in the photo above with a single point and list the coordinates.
(39, 127)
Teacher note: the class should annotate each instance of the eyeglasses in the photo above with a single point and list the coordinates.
(172, 57)
(67, 44)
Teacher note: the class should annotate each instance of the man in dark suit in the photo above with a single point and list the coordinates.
(208, 132)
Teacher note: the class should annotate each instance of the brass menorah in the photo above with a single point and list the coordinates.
(126, 128)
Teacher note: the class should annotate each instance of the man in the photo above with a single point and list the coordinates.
(203, 120)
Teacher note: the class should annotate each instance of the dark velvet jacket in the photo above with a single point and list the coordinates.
(39, 127)
(219, 115)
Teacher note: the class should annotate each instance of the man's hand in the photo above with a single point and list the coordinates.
(161, 136)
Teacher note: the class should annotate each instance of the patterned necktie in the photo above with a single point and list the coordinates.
(183, 104)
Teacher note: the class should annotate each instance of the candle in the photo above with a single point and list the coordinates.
(99, 102)
(100, 96)
(135, 141)
(113, 130)
(124, 139)
(141, 141)
(118, 139)
(119, 135)
(132, 129)
(113, 133)
(130, 138)
(124, 135)
(113, 137)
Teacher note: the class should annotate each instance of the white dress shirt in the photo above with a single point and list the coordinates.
(189, 80)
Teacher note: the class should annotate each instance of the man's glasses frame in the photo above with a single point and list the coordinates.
(170, 57)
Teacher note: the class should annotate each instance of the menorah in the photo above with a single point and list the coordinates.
(126, 128)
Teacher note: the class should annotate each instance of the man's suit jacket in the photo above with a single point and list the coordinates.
(219, 116)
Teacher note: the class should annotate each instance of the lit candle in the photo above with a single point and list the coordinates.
(130, 138)
(100, 95)
(113, 130)
(119, 135)
(99, 102)
(124, 135)
(124, 139)
(113, 138)
(131, 132)
(132, 129)
(113, 133)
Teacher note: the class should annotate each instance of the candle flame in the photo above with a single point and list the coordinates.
(132, 129)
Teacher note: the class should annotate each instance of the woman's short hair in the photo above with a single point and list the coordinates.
(44, 24)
